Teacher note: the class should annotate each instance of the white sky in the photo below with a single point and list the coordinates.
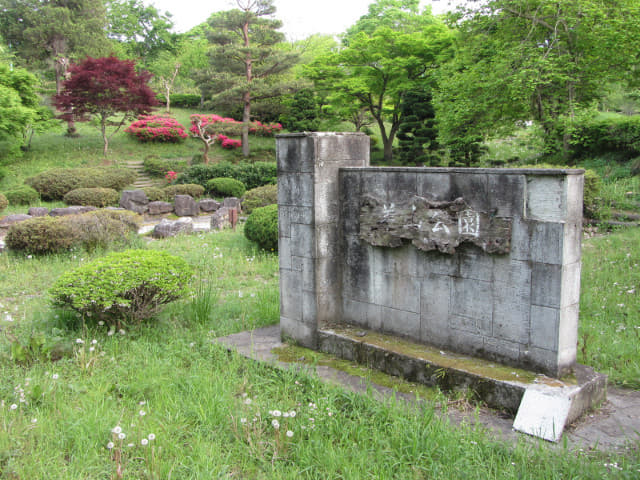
(301, 18)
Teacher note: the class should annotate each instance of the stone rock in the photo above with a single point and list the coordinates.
(9, 220)
(208, 205)
(220, 219)
(185, 206)
(72, 210)
(158, 208)
(233, 202)
(171, 228)
(134, 200)
(38, 211)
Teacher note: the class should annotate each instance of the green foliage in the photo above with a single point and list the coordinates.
(158, 167)
(155, 194)
(91, 230)
(195, 190)
(39, 347)
(18, 107)
(22, 195)
(128, 286)
(95, 197)
(259, 197)
(41, 235)
(302, 113)
(417, 133)
(4, 203)
(226, 187)
(262, 227)
(612, 134)
(55, 184)
(252, 175)
(182, 100)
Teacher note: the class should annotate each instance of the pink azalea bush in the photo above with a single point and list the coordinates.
(265, 129)
(229, 143)
(157, 128)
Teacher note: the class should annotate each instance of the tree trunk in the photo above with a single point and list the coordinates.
(246, 118)
(105, 138)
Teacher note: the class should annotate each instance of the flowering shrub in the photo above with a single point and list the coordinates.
(228, 143)
(265, 129)
(171, 176)
(157, 128)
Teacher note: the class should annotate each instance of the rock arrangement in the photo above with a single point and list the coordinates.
(184, 206)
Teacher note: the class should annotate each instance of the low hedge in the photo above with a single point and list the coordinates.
(55, 184)
(259, 197)
(196, 191)
(225, 187)
(91, 230)
(155, 194)
(252, 175)
(22, 195)
(616, 134)
(182, 100)
(158, 167)
(123, 287)
(4, 203)
(95, 197)
(261, 227)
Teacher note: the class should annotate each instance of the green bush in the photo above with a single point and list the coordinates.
(252, 175)
(91, 230)
(122, 287)
(616, 134)
(225, 187)
(155, 194)
(55, 184)
(103, 228)
(3, 173)
(259, 197)
(95, 197)
(182, 100)
(22, 195)
(262, 227)
(158, 167)
(4, 203)
(196, 191)
(41, 235)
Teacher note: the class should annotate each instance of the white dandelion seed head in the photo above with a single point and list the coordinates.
(151, 437)
(79, 340)
(34, 420)
(13, 406)
(243, 420)
(122, 332)
(122, 436)
(142, 413)
(277, 413)
(275, 423)
(110, 445)
(247, 401)
(116, 429)
(94, 341)
(289, 433)
(144, 441)
(292, 413)
(131, 445)
(55, 376)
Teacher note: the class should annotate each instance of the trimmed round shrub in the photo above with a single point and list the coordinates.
(225, 187)
(157, 128)
(155, 194)
(94, 197)
(41, 235)
(196, 191)
(259, 197)
(128, 286)
(252, 175)
(4, 203)
(103, 228)
(55, 184)
(22, 195)
(262, 227)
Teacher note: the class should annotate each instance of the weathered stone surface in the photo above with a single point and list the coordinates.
(185, 206)
(159, 208)
(221, 219)
(134, 200)
(73, 210)
(431, 225)
(208, 205)
(9, 220)
(233, 202)
(171, 228)
(38, 211)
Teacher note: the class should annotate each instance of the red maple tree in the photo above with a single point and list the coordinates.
(103, 88)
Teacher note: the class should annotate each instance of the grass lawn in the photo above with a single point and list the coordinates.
(162, 401)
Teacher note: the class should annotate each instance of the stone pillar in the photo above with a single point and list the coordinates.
(308, 217)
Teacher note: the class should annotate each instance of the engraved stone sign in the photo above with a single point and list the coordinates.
(431, 225)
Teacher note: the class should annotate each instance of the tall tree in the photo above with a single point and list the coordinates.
(141, 29)
(393, 49)
(245, 60)
(103, 88)
(538, 60)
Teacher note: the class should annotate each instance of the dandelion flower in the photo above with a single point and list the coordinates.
(292, 413)
(247, 401)
(13, 406)
(101, 322)
(144, 441)
(277, 413)
(243, 420)
(275, 423)
(122, 332)
(116, 429)
(111, 332)
(79, 340)
(94, 341)
(285, 414)
(34, 420)
(151, 436)
(122, 436)
(54, 376)
(110, 445)
(289, 433)
(142, 413)
(131, 445)
(92, 349)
